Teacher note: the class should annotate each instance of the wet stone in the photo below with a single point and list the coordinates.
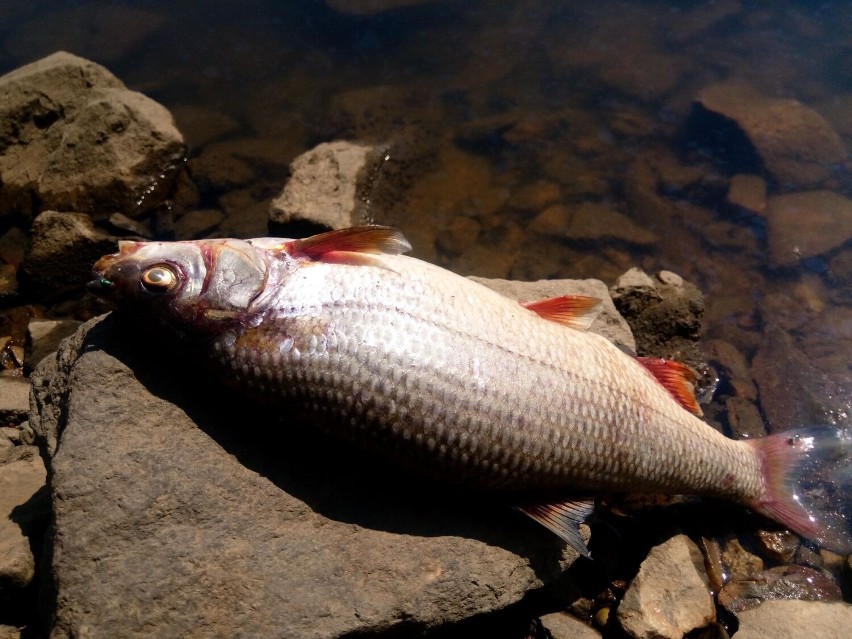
(124, 225)
(198, 223)
(783, 582)
(739, 561)
(806, 225)
(13, 246)
(779, 545)
(533, 198)
(744, 418)
(590, 221)
(793, 619)
(458, 236)
(748, 192)
(732, 367)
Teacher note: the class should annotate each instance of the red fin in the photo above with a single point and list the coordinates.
(677, 378)
(576, 311)
(357, 239)
(563, 519)
(806, 477)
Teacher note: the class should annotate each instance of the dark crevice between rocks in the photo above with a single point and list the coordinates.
(716, 137)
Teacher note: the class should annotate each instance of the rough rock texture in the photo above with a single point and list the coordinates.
(804, 225)
(64, 246)
(19, 481)
(323, 189)
(664, 312)
(609, 323)
(670, 596)
(561, 625)
(73, 137)
(792, 619)
(796, 144)
(14, 401)
(178, 510)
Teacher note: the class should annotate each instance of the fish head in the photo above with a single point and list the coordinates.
(187, 285)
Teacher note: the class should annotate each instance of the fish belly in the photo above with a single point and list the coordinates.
(446, 375)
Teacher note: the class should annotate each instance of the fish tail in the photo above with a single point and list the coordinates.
(807, 477)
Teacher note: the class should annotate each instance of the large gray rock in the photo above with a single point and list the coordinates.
(323, 189)
(793, 619)
(180, 509)
(671, 594)
(73, 137)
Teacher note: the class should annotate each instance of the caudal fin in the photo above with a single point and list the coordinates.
(807, 478)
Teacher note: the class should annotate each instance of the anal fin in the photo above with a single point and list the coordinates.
(563, 519)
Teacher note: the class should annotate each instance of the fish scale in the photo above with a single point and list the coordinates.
(414, 361)
(447, 376)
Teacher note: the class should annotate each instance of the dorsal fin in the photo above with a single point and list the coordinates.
(356, 239)
(576, 311)
(676, 378)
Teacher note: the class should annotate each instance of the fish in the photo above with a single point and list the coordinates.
(449, 377)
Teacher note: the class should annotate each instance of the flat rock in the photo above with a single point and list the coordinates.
(323, 189)
(782, 582)
(809, 224)
(670, 596)
(796, 144)
(19, 482)
(793, 619)
(75, 138)
(561, 625)
(62, 250)
(608, 323)
(180, 511)
(14, 400)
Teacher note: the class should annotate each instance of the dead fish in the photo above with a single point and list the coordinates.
(448, 376)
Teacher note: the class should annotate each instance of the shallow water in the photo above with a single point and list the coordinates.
(524, 140)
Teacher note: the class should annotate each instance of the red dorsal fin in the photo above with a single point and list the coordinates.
(677, 378)
(576, 311)
(356, 239)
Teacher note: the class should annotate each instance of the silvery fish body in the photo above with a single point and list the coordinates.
(443, 373)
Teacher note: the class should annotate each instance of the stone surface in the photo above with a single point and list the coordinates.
(670, 596)
(608, 323)
(44, 338)
(323, 186)
(783, 582)
(796, 144)
(73, 137)
(561, 625)
(748, 192)
(14, 400)
(64, 246)
(179, 511)
(590, 221)
(739, 561)
(19, 482)
(793, 619)
(809, 224)
(664, 313)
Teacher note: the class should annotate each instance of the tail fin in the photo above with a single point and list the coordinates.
(807, 478)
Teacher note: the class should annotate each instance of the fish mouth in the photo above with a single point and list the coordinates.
(100, 285)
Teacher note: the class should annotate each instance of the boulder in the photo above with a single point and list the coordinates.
(561, 625)
(20, 480)
(73, 137)
(796, 145)
(180, 510)
(63, 248)
(793, 619)
(670, 596)
(323, 189)
(805, 225)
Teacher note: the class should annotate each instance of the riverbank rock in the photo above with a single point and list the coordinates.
(73, 137)
(62, 250)
(323, 189)
(671, 594)
(561, 625)
(793, 619)
(213, 517)
(796, 144)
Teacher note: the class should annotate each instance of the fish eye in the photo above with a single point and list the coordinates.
(159, 279)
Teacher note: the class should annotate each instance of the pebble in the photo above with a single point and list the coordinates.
(780, 545)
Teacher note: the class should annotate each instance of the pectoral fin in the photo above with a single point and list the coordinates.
(563, 519)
